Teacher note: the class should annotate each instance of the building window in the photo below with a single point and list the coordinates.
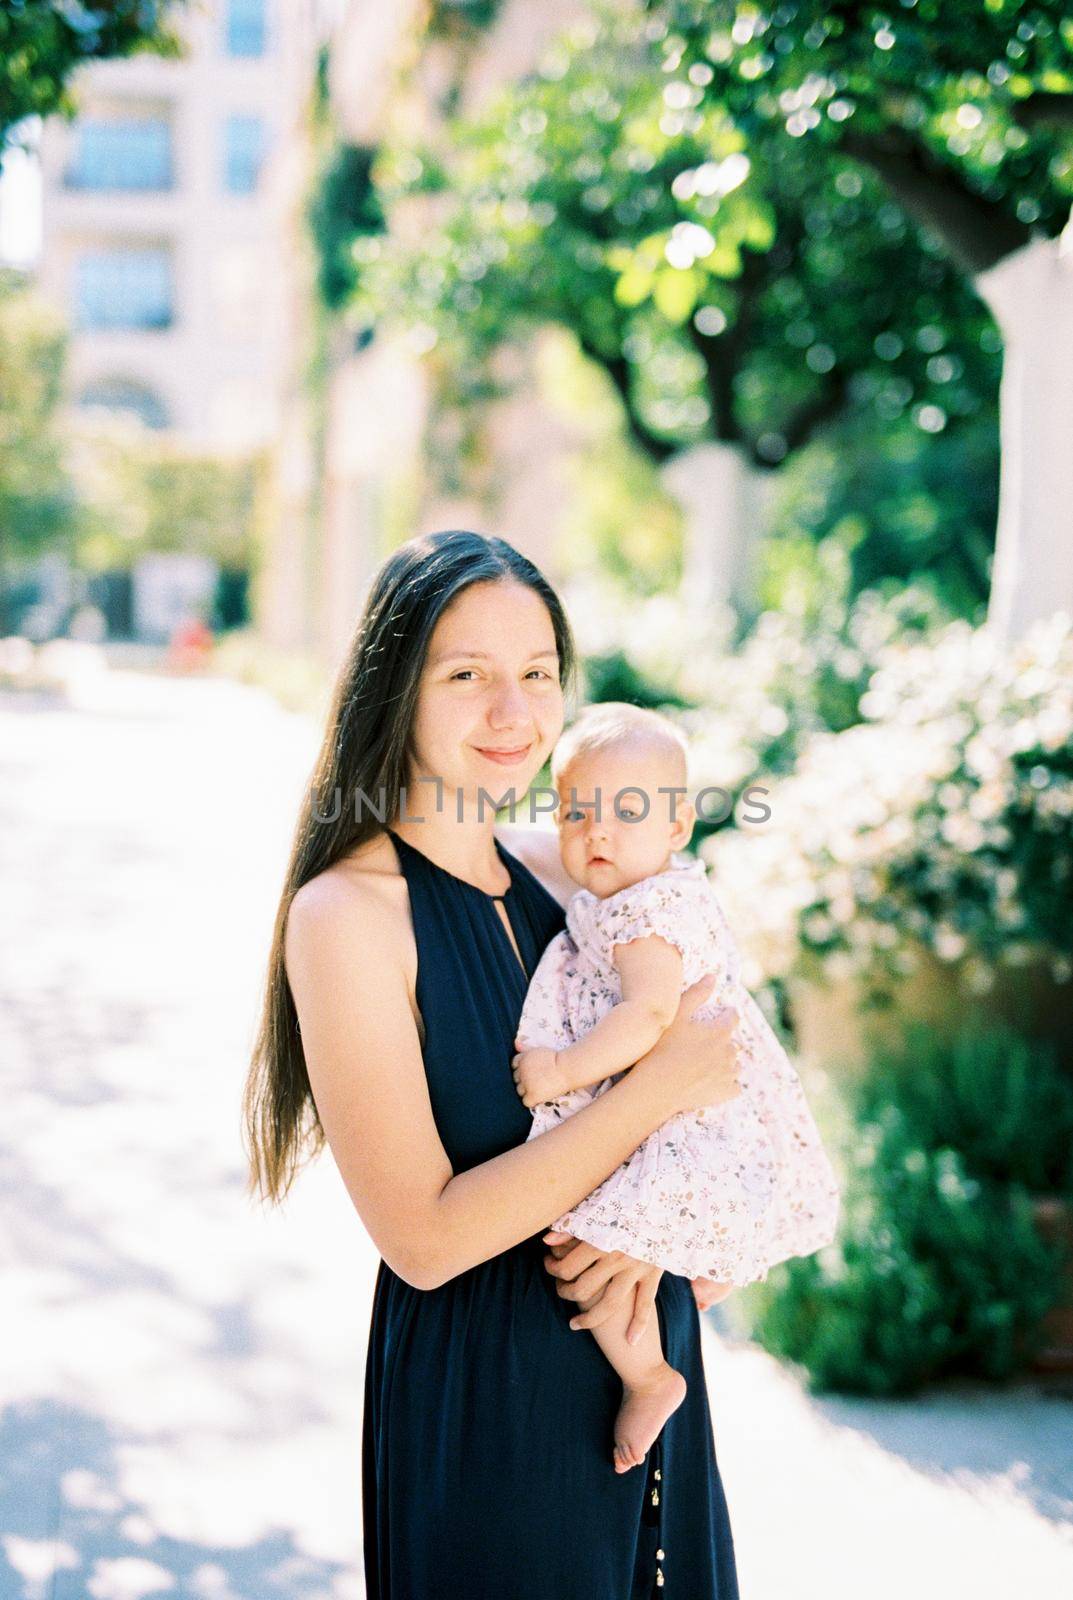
(128, 396)
(130, 153)
(244, 140)
(246, 28)
(124, 289)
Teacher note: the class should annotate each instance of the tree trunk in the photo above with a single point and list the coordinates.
(1030, 294)
(724, 501)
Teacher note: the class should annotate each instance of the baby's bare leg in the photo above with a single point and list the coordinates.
(652, 1389)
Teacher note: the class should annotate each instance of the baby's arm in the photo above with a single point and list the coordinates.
(650, 972)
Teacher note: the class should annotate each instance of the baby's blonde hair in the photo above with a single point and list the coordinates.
(609, 723)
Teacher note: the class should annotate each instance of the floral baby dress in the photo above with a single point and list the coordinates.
(725, 1192)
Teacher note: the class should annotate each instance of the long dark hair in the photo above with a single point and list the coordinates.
(364, 754)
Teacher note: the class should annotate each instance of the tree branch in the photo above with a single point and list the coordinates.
(977, 232)
(618, 370)
(811, 414)
(722, 353)
(714, 351)
(1042, 110)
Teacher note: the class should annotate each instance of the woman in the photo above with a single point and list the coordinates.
(403, 946)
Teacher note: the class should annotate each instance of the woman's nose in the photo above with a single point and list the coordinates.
(510, 706)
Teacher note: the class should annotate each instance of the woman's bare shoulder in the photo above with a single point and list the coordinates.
(538, 849)
(362, 887)
(355, 917)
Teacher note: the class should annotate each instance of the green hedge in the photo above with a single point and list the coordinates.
(939, 1267)
(934, 1273)
(1003, 1102)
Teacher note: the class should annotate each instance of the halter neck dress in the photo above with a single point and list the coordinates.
(487, 1432)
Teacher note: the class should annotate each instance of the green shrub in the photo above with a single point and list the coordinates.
(939, 1267)
(614, 677)
(934, 1273)
(1001, 1101)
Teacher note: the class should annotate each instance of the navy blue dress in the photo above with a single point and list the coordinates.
(486, 1451)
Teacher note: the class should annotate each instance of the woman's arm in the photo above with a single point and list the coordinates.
(363, 1056)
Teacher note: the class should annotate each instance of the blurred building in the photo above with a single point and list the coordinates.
(176, 245)
(171, 236)
(376, 485)
(166, 222)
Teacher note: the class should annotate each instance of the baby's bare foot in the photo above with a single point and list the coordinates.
(644, 1410)
(707, 1292)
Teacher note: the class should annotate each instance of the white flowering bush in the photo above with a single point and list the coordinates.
(942, 821)
(749, 708)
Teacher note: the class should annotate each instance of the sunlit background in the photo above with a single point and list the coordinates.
(753, 326)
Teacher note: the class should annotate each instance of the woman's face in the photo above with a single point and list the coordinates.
(490, 704)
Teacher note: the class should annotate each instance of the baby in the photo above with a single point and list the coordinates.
(718, 1195)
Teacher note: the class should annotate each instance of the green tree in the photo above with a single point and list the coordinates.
(36, 500)
(734, 289)
(963, 112)
(343, 206)
(42, 42)
(141, 492)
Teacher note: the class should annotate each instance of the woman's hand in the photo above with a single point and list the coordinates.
(602, 1281)
(697, 1059)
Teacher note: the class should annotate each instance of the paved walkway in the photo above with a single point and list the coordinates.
(181, 1385)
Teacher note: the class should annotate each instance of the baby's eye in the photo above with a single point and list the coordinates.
(573, 816)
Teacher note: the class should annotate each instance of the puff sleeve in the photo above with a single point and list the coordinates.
(674, 906)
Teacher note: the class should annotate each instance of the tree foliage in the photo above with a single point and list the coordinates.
(902, 507)
(343, 207)
(731, 285)
(762, 222)
(963, 110)
(36, 501)
(458, 19)
(42, 42)
(140, 491)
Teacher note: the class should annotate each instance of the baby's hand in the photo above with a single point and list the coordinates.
(537, 1076)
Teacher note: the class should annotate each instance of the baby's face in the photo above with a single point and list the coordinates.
(633, 831)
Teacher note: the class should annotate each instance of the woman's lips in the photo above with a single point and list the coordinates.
(506, 758)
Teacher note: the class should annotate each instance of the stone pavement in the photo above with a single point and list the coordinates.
(180, 1392)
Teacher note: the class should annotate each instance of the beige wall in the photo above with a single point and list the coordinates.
(219, 368)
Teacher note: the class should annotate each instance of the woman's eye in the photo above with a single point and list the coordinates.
(574, 816)
(470, 672)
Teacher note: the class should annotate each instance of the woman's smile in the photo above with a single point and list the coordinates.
(506, 758)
